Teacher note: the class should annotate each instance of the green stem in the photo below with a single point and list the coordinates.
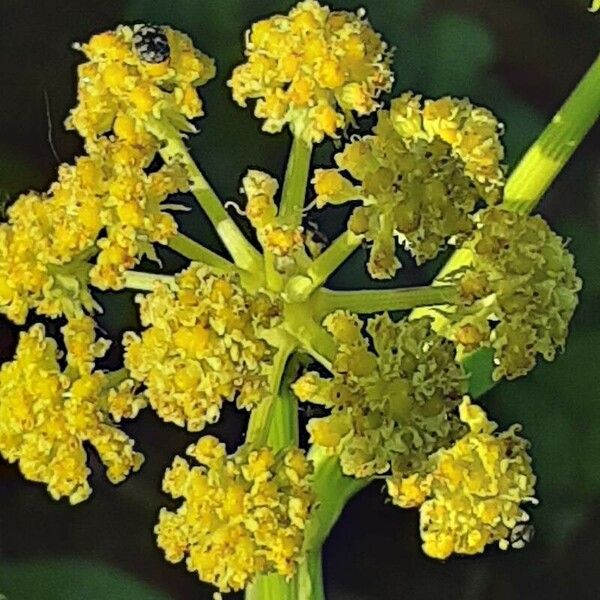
(549, 154)
(310, 577)
(311, 337)
(333, 489)
(174, 150)
(283, 429)
(273, 279)
(138, 280)
(337, 253)
(278, 425)
(197, 252)
(260, 419)
(272, 587)
(293, 194)
(371, 301)
(114, 378)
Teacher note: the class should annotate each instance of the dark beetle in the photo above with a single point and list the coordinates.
(150, 43)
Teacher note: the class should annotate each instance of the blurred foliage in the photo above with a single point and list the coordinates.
(14, 171)
(70, 579)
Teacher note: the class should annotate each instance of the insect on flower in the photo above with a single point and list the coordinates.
(151, 44)
(521, 535)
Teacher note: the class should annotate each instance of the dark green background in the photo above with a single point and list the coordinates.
(519, 57)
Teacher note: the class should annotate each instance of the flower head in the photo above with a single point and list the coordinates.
(202, 345)
(311, 69)
(104, 204)
(471, 493)
(130, 202)
(47, 415)
(519, 291)
(241, 516)
(389, 408)
(43, 251)
(420, 176)
(135, 74)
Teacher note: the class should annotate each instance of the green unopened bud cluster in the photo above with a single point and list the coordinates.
(390, 407)
(518, 294)
(420, 176)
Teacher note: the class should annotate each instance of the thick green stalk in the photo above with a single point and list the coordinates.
(310, 577)
(197, 252)
(261, 417)
(336, 254)
(279, 429)
(293, 194)
(174, 150)
(371, 301)
(272, 587)
(333, 490)
(138, 280)
(283, 428)
(551, 151)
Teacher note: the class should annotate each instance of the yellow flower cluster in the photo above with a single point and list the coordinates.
(47, 415)
(391, 408)
(421, 174)
(131, 213)
(135, 74)
(241, 516)
(203, 344)
(104, 204)
(107, 203)
(311, 69)
(43, 251)
(471, 495)
(519, 292)
(82, 347)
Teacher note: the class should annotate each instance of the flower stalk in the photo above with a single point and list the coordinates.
(294, 184)
(174, 150)
(371, 301)
(333, 257)
(266, 416)
(548, 155)
(195, 251)
(145, 282)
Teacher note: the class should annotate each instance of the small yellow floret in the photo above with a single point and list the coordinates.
(518, 294)
(421, 174)
(390, 408)
(119, 90)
